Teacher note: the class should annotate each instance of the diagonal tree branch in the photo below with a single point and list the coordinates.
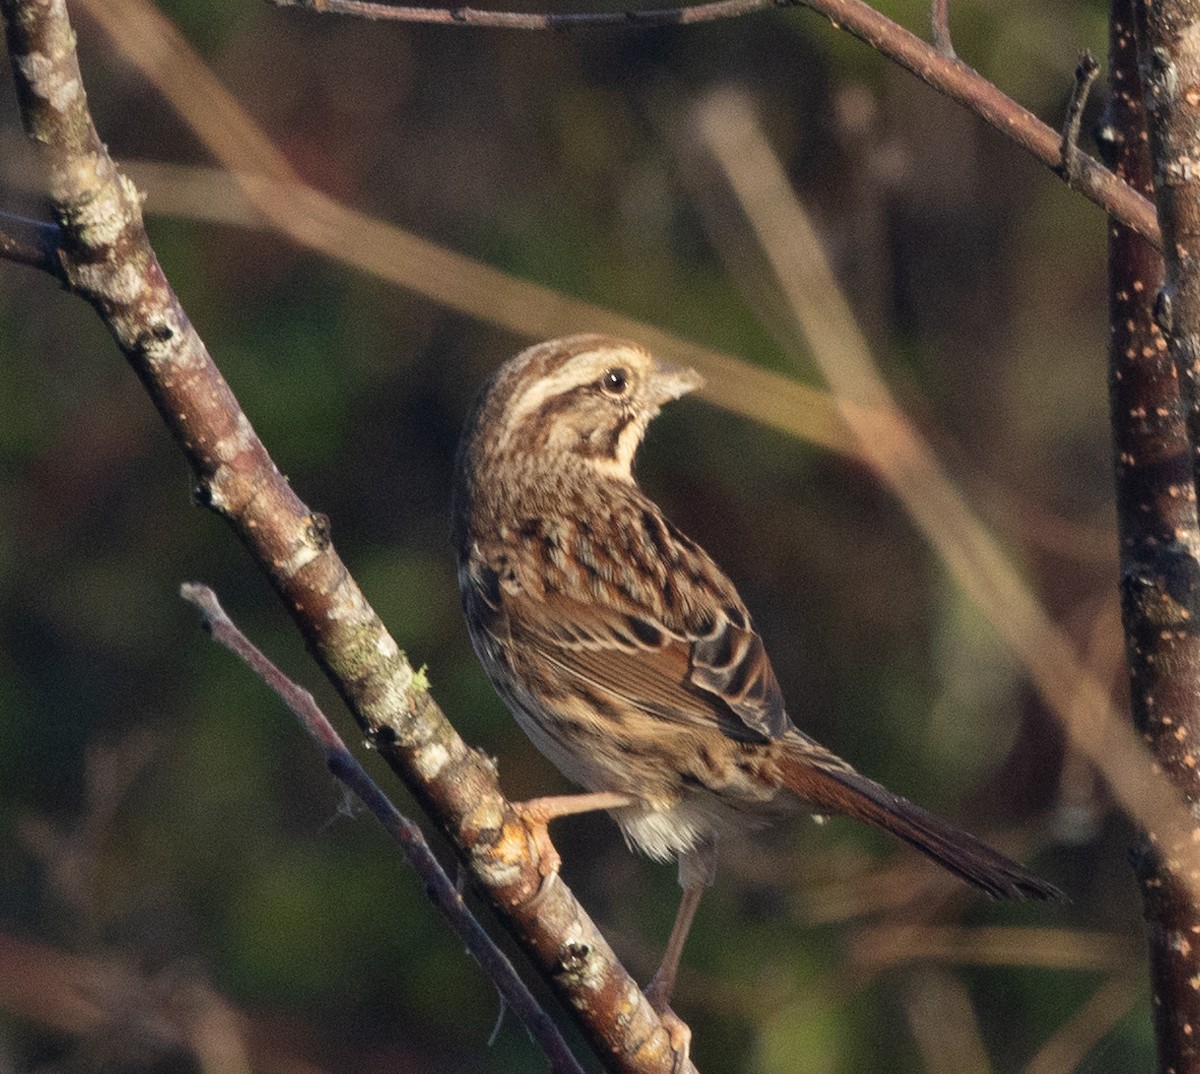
(107, 259)
(934, 64)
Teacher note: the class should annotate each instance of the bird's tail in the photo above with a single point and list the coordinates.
(833, 789)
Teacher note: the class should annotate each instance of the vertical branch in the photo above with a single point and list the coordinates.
(1169, 69)
(1152, 352)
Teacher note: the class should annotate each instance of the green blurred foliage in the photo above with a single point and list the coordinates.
(231, 857)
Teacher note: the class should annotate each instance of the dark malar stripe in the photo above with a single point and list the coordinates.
(605, 447)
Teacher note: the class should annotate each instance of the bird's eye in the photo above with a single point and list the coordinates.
(615, 381)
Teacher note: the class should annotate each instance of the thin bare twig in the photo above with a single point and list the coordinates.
(438, 886)
(939, 18)
(520, 20)
(1085, 74)
(30, 242)
(929, 62)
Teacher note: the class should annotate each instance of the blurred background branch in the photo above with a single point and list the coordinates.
(935, 64)
(905, 462)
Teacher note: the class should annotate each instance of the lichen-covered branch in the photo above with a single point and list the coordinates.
(106, 258)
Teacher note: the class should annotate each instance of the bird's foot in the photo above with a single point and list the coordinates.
(679, 1033)
(538, 812)
(536, 818)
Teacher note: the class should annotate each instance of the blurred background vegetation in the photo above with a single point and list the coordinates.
(163, 821)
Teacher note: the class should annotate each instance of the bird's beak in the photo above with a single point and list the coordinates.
(670, 381)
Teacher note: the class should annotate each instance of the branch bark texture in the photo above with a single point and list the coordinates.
(106, 257)
(1154, 305)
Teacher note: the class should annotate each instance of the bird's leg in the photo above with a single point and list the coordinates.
(538, 812)
(697, 870)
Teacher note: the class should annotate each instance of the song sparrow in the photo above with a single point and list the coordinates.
(622, 649)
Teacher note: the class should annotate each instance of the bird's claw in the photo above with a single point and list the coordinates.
(535, 821)
(679, 1033)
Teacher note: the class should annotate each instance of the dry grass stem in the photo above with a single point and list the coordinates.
(1062, 949)
(1074, 1039)
(277, 195)
(906, 464)
(944, 1025)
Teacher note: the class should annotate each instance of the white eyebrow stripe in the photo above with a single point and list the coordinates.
(582, 369)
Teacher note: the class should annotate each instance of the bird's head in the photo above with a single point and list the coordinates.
(579, 400)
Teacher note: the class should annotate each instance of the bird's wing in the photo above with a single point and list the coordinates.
(713, 671)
